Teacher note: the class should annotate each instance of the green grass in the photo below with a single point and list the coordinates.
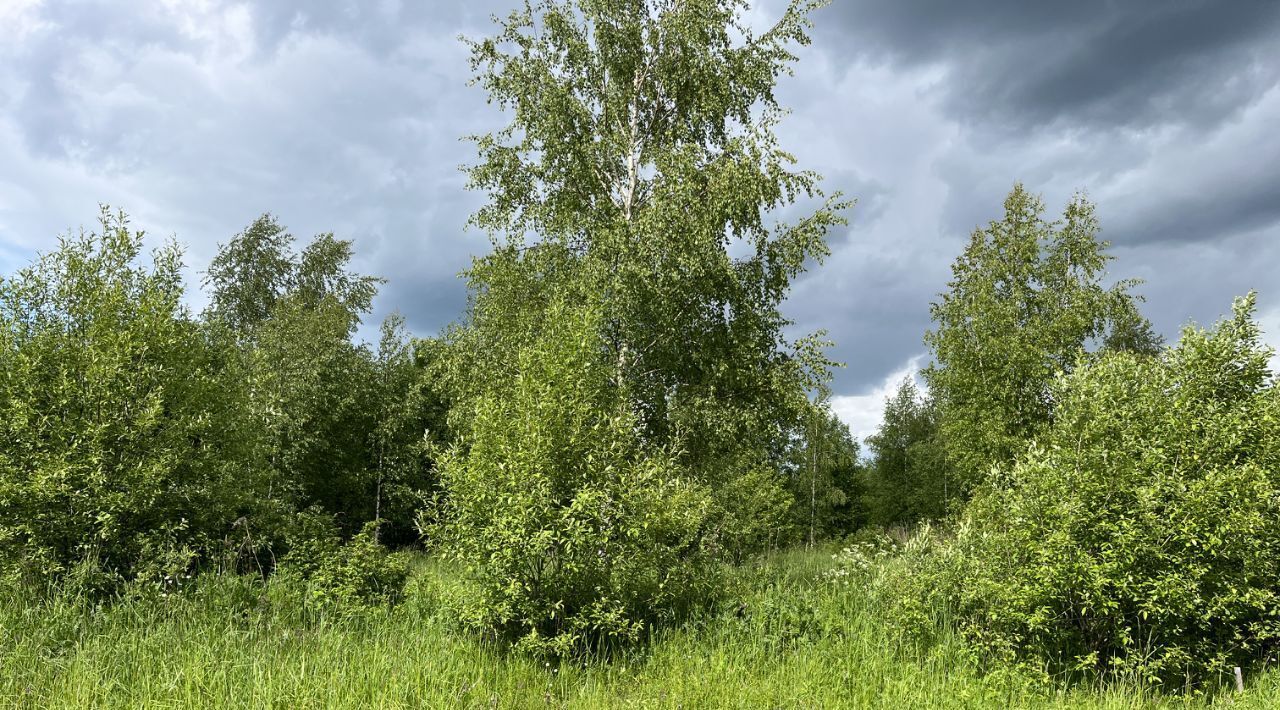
(787, 639)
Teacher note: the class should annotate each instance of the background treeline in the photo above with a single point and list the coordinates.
(617, 419)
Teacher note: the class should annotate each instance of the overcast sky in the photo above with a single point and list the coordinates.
(196, 116)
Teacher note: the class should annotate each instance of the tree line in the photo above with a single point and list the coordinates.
(618, 416)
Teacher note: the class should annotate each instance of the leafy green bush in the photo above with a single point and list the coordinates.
(574, 532)
(336, 576)
(124, 446)
(1142, 535)
(751, 512)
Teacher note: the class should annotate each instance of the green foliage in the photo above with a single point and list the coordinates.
(248, 275)
(575, 534)
(343, 422)
(636, 180)
(788, 637)
(125, 448)
(335, 576)
(296, 315)
(638, 175)
(1142, 535)
(139, 443)
(909, 479)
(508, 291)
(253, 272)
(825, 478)
(1024, 301)
(407, 409)
(751, 511)
(312, 391)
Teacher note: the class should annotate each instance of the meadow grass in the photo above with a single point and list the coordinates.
(786, 638)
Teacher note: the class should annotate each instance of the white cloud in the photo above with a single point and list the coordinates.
(20, 18)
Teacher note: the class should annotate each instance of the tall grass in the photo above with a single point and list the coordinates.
(787, 639)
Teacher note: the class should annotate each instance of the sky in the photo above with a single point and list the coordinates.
(196, 116)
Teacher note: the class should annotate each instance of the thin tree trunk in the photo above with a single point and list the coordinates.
(813, 488)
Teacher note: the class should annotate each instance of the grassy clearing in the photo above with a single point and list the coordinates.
(787, 640)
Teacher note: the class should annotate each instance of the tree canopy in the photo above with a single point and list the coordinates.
(1025, 302)
(640, 150)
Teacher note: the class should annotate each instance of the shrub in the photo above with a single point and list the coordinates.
(751, 511)
(336, 576)
(576, 534)
(124, 446)
(1142, 535)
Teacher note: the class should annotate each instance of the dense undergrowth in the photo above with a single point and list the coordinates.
(798, 629)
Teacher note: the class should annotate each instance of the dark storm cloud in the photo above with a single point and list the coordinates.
(1237, 208)
(1163, 113)
(1105, 78)
(1091, 62)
